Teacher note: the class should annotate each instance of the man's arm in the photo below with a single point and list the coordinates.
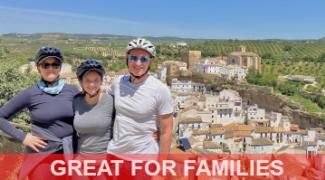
(166, 128)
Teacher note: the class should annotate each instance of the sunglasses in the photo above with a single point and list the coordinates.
(48, 65)
(143, 59)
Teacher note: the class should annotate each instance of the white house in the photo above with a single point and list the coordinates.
(261, 146)
(180, 98)
(187, 86)
(275, 119)
(206, 116)
(238, 137)
(217, 132)
(310, 136)
(256, 115)
(201, 135)
(218, 67)
(186, 126)
(295, 136)
(211, 101)
(184, 86)
(229, 108)
(275, 134)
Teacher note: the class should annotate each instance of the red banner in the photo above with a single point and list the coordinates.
(172, 166)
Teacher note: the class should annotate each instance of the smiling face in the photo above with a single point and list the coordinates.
(137, 64)
(49, 69)
(91, 82)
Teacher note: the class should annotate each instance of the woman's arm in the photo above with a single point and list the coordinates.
(13, 106)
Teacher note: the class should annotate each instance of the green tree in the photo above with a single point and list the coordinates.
(11, 83)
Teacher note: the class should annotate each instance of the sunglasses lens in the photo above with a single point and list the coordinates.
(144, 59)
(133, 58)
(56, 66)
(47, 65)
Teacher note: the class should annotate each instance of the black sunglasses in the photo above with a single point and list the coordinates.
(48, 65)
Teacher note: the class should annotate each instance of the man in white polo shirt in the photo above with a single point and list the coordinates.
(143, 106)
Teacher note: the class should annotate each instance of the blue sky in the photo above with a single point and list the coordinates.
(218, 19)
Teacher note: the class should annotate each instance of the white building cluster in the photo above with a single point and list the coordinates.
(187, 86)
(219, 66)
(224, 123)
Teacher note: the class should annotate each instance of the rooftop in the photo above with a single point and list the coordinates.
(238, 127)
(262, 142)
(190, 120)
(261, 129)
(211, 145)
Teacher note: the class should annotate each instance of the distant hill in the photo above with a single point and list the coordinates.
(266, 48)
(322, 40)
(123, 39)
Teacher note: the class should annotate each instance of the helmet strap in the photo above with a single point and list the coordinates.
(134, 77)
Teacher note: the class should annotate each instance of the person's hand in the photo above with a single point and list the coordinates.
(156, 135)
(34, 142)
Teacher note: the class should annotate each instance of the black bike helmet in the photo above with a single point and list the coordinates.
(90, 64)
(48, 51)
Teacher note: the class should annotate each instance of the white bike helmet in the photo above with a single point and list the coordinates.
(142, 43)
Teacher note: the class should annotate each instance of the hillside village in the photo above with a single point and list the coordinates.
(223, 122)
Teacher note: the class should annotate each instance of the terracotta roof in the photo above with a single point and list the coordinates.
(200, 132)
(261, 129)
(190, 120)
(238, 127)
(217, 130)
(211, 145)
(262, 142)
(215, 125)
(230, 134)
